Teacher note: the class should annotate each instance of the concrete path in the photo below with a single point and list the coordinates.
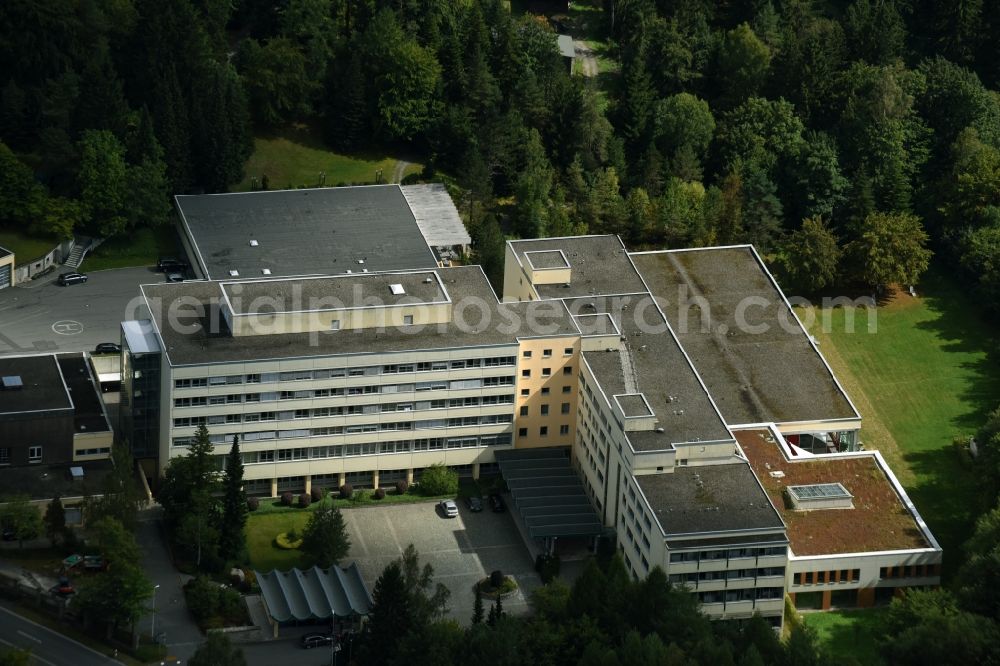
(173, 621)
(585, 54)
(397, 172)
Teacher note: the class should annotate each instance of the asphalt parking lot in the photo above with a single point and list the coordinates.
(41, 316)
(462, 550)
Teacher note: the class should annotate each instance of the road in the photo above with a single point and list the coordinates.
(47, 647)
(44, 317)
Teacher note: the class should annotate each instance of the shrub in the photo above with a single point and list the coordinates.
(230, 605)
(496, 578)
(288, 541)
(318, 494)
(379, 493)
(346, 491)
(439, 480)
(401, 487)
(286, 498)
(305, 500)
(253, 503)
(202, 598)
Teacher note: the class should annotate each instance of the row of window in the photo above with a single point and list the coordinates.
(334, 373)
(727, 554)
(543, 431)
(910, 571)
(349, 410)
(262, 435)
(745, 594)
(821, 577)
(94, 452)
(372, 389)
(547, 372)
(547, 353)
(34, 455)
(566, 390)
(731, 574)
(544, 409)
(373, 448)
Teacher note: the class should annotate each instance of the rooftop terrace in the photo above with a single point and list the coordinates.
(879, 520)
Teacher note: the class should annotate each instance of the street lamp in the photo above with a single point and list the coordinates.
(152, 624)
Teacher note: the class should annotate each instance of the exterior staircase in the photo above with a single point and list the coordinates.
(80, 249)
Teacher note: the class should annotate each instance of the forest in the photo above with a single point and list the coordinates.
(849, 141)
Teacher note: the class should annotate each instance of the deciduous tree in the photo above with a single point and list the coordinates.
(891, 248)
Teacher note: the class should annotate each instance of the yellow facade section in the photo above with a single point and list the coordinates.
(9, 261)
(547, 392)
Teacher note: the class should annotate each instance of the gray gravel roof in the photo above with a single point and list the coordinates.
(317, 231)
(43, 385)
(709, 498)
(774, 375)
(480, 321)
(599, 266)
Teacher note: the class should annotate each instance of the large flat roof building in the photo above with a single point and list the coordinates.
(615, 388)
(320, 231)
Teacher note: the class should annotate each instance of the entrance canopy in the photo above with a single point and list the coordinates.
(314, 594)
(548, 493)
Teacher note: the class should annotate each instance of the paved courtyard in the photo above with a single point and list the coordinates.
(41, 316)
(462, 550)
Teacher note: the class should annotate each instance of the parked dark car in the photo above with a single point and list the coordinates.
(107, 348)
(67, 279)
(309, 641)
(64, 588)
(497, 504)
(475, 504)
(170, 265)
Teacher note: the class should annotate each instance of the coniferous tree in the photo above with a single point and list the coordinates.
(55, 519)
(232, 541)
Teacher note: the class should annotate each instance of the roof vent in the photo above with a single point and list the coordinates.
(397, 289)
(265, 271)
(253, 242)
(428, 279)
(349, 271)
(12, 383)
(234, 273)
(364, 270)
(777, 474)
(659, 429)
(361, 261)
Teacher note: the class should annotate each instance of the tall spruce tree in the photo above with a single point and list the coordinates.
(232, 540)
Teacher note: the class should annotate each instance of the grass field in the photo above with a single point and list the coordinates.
(929, 374)
(25, 248)
(295, 157)
(141, 248)
(848, 634)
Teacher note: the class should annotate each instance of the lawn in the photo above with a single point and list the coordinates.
(929, 374)
(295, 157)
(141, 248)
(25, 248)
(849, 634)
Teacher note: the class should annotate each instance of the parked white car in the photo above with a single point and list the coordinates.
(448, 508)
